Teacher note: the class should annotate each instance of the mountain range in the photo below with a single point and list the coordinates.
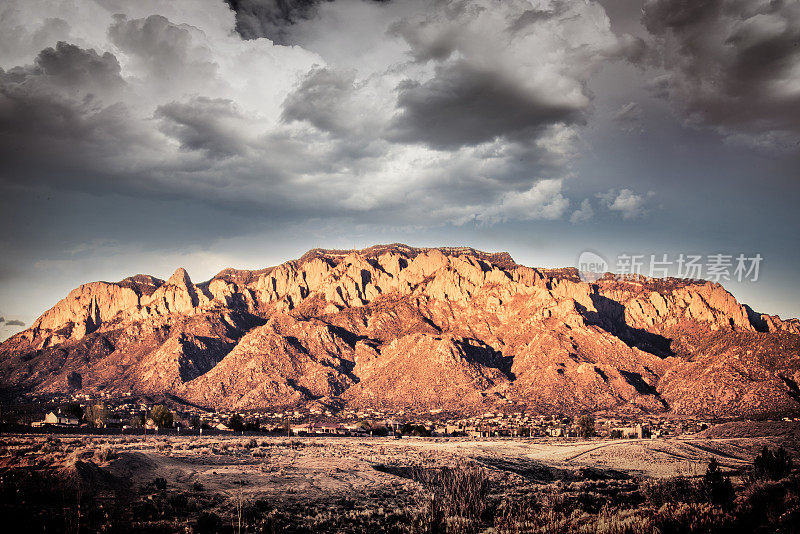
(403, 328)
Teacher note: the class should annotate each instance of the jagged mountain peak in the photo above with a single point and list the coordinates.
(180, 278)
(142, 284)
(503, 259)
(406, 327)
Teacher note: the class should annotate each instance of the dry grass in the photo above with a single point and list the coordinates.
(316, 485)
(454, 498)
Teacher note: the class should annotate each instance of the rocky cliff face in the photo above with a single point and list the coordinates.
(402, 327)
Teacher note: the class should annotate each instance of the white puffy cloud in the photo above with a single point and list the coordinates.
(582, 214)
(625, 202)
(542, 201)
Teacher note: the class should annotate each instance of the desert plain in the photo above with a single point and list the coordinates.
(251, 483)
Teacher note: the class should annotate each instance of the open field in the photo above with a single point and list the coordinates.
(171, 484)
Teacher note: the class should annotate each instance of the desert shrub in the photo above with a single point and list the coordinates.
(536, 517)
(33, 500)
(669, 490)
(690, 518)
(197, 486)
(178, 500)
(252, 443)
(160, 483)
(208, 522)
(629, 521)
(105, 454)
(771, 465)
(771, 506)
(715, 487)
(455, 499)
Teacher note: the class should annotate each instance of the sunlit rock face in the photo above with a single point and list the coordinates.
(398, 327)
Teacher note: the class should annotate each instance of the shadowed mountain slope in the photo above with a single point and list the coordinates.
(409, 328)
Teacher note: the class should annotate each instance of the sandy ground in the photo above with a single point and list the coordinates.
(339, 466)
(338, 482)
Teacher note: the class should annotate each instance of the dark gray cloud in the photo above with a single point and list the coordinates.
(733, 64)
(254, 128)
(71, 71)
(466, 105)
(531, 16)
(273, 18)
(15, 322)
(65, 100)
(321, 99)
(270, 18)
(205, 124)
(661, 15)
(501, 70)
(428, 39)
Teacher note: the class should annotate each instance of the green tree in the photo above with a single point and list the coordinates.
(194, 422)
(415, 430)
(137, 421)
(586, 426)
(97, 414)
(366, 426)
(236, 423)
(72, 409)
(161, 416)
(715, 486)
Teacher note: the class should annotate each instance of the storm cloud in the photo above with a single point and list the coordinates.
(433, 112)
(177, 104)
(733, 65)
(486, 83)
(273, 19)
(143, 127)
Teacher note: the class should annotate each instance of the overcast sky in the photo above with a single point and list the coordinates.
(143, 136)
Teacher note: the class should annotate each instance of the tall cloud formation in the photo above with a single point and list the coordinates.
(733, 65)
(443, 116)
(272, 19)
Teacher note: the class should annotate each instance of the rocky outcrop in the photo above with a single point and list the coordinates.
(285, 361)
(414, 328)
(419, 370)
